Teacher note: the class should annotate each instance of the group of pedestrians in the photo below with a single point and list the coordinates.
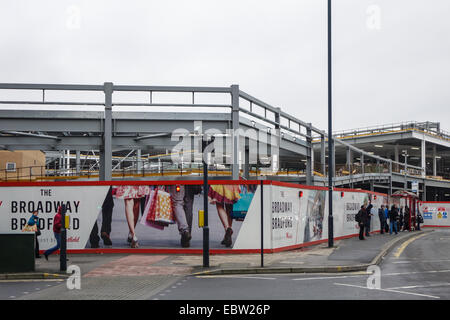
(57, 225)
(363, 217)
(399, 219)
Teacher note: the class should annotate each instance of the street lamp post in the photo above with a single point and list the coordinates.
(330, 139)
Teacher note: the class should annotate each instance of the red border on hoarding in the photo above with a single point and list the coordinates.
(189, 182)
(435, 202)
(431, 226)
(361, 191)
(298, 186)
(199, 251)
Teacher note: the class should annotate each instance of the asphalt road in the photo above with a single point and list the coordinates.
(416, 270)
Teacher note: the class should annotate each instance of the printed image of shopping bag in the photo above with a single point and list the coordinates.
(28, 228)
(241, 207)
(149, 210)
(148, 215)
(164, 210)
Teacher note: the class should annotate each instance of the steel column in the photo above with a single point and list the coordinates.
(309, 158)
(235, 127)
(106, 150)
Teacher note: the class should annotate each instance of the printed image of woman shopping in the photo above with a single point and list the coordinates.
(132, 197)
(224, 196)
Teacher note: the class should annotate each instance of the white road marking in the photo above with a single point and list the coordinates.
(415, 272)
(334, 277)
(421, 261)
(422, 286)
(387, 290)
(12, 297)
(33, 280)
(236, 277)
(366, 274)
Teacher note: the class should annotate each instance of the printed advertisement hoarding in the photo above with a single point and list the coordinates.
(435, 213)
(83, 206)
(158, 216)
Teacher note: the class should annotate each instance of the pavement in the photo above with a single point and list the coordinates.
(347, 255)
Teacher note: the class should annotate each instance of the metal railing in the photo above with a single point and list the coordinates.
(432, 128)
(155, 169)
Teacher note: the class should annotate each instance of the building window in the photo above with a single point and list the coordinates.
(11, 166)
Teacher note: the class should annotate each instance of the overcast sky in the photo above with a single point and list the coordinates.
(391, 57)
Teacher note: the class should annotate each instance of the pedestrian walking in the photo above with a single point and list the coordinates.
(57, 224)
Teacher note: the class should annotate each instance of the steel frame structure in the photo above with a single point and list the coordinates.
(108, 130)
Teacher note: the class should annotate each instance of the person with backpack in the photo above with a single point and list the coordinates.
(361, 218)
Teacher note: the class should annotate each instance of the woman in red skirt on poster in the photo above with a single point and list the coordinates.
(132, 196)
(224, 196)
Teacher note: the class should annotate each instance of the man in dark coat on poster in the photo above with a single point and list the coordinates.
(107, 210)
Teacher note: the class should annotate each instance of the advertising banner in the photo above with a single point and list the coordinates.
(435, 213)
(130, 216)
(83, 206)
(166, 214)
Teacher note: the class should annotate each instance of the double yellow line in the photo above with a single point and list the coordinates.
(406, 243)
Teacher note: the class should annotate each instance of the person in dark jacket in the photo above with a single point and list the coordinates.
(361, 218)
(57, 224)
(406, 220)
(382, 219)
(419, 219)
(393, 216)
(400, 219)
(34, 220)
(369, 216)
